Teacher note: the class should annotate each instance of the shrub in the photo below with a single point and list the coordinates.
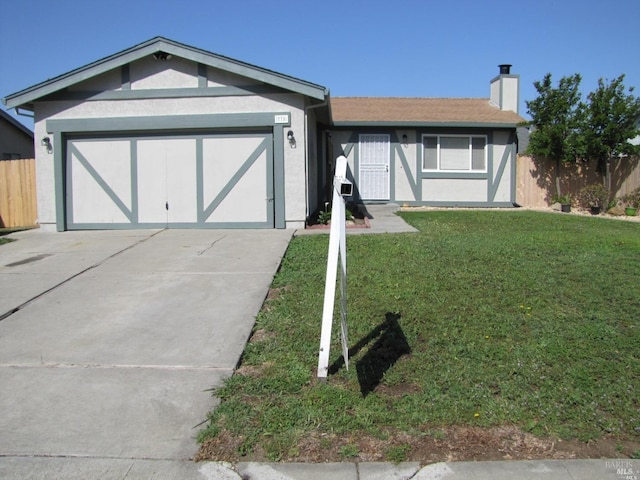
(595, 195)
(562, 199)
(632, 199)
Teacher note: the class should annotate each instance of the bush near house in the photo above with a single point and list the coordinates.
(484, 320)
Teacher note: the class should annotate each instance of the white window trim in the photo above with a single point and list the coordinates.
(469, 170)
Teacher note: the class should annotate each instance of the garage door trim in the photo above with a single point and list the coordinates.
(61, 128)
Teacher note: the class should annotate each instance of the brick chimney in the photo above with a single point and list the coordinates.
(505, 89)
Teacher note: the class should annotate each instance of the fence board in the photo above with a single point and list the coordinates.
(18, 206)
(536, 187)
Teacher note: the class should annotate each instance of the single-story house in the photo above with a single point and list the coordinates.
(16, 140)
(167, 135)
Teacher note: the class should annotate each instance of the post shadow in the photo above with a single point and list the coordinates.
(389, 345)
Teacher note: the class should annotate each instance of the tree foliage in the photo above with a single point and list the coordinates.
(556, 119)
(611, 119)
(566, 129)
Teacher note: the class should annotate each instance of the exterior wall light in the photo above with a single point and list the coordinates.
(405, 140)
(46, 142)
(291, 138)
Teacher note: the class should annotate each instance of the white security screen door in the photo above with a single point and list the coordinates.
(374, 167)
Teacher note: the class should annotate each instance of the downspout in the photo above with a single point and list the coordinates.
(324, 103)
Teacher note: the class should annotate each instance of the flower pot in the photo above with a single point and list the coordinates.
(630, 211)
(565, 208)
(595, 210)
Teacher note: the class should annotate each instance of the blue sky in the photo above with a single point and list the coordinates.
(355, 48)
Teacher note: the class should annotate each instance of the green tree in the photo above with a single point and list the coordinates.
(611, 120)
(556, 117)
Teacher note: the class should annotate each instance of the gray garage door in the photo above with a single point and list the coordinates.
(181, 181)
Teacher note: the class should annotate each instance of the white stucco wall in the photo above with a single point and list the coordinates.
(505, 91)
(175, 73)
(500, 146)
(510, 93)
(340, 141)
(313, 168)
(109, 81)
(150, 74)
(454, 190)
(220, 78)
(44, 177)
(403, 191)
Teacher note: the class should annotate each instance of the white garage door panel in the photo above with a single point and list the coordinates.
(167, 180)
(247, 201)
(221, 159)
(182, 181)
(241, 165)
(99, 173)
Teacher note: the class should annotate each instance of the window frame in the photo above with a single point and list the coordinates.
(470, 138)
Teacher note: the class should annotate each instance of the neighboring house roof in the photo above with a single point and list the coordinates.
(24, 98)
(401, 111)
(4, 115)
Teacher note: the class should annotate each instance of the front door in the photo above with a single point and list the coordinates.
(374, 167)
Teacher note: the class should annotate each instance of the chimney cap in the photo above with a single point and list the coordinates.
(505, 68)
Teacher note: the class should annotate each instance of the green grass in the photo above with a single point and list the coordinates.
(481, 319)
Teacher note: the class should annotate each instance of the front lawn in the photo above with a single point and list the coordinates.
(488, 326)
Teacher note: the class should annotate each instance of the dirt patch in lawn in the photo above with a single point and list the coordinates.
(448, 444)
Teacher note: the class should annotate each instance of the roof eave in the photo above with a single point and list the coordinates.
(26, 97)
(409, 124)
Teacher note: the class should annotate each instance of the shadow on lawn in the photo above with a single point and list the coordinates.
(390, 344)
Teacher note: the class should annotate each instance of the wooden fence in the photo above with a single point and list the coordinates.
(18, 206)
(536, 179)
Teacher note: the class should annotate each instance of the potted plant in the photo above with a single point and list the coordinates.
(565, 202)
(595, 197)
(631, 202)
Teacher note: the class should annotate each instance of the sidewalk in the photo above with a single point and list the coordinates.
(382, 219)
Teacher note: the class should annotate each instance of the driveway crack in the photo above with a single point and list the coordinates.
(82, 272)
(212, 244)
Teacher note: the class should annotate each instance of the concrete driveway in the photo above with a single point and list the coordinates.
(111, 341)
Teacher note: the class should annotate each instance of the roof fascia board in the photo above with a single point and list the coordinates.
(166, 123)
(151, 93)
(406, 124)
(159, 44)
